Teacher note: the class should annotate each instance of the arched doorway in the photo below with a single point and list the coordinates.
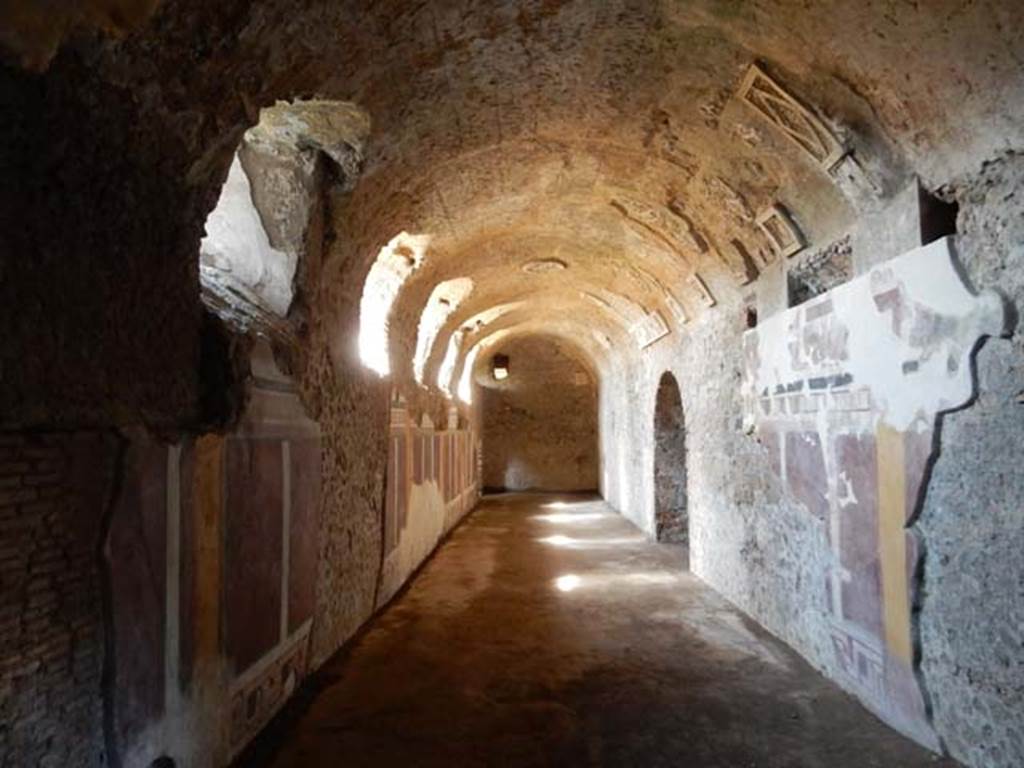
(671, 521)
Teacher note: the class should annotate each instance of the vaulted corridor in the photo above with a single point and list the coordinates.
(288, 288)
(548, 631)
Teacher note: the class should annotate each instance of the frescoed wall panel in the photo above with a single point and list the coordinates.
(303, 524)
(253, 563)
(834, 388)
(428, 492)
(212, 553)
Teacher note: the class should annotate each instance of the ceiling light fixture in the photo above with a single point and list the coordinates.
(500, 367)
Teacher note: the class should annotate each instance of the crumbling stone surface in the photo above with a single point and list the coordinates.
(539, 424)
(258, 238)
(32, 32)
(972, 612)
(769, 555)
(820, 271)
(337, 129)
(94, 283)
(351, 404)
(111, 162)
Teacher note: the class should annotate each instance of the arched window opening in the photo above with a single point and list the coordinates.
(466, 381)
(444, 299)
(394, 264)
(446, 374)
(671, 517)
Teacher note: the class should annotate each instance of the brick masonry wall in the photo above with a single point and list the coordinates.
(53, 489)
(540, 424)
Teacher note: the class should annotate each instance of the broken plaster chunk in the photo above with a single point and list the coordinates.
(339, 129)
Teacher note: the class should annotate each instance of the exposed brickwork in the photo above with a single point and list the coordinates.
(51, 643)
(821, 271)
(540, 424)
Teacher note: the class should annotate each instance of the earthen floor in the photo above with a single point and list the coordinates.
(547, 631)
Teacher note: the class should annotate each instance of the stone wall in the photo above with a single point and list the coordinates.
(54, 493)
(747, 539)
(972, 520)
(66, 297)
(764, 531)
(350, 403)
(540, 424)
(101, 146)
(844, 391)
(211, 555)
(99, 300)
(193, 572)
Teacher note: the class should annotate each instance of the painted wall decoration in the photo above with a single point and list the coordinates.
(259, 693)
(433, 481)
(212, 554)
(844, 391)
(272, 482)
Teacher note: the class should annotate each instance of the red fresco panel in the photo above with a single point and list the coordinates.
(449, 467)
(806, 477)
(858, 532)
(192, 531)
(417, 458)
(187, 588)
(458, 462)
(403, 485)
(445, 466)
(390, 510)
(302, 536)
(452, 465)
(252, 578)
